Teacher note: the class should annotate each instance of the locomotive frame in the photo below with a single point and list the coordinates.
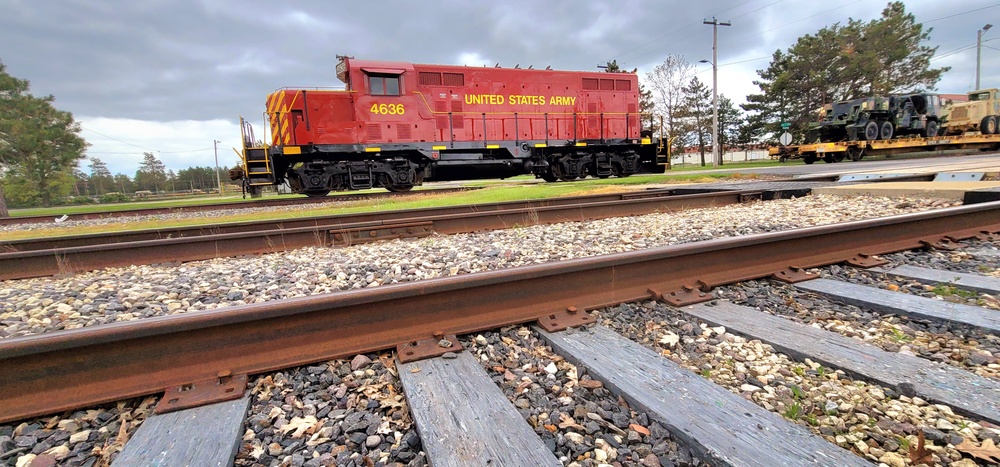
(398, 124)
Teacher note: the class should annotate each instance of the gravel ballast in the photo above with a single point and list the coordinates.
(123, 294)
(346, 402)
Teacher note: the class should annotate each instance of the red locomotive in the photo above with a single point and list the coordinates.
(398, 124)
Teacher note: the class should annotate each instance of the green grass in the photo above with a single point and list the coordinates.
(950, 290)
(793, 411)
(898, 336)
(56, 211)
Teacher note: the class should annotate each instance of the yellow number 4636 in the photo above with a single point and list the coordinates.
(387, 109)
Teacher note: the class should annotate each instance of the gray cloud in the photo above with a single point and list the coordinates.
(165, 60)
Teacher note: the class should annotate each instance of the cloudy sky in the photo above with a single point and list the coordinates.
(172, 76)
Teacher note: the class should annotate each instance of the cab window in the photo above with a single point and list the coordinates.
(383, 85)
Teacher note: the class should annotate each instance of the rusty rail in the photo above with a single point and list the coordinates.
(343, 230)
(70, 241)
(217, 206)
(69, 369)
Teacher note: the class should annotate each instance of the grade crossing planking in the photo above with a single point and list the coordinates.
(464, 419)
(966, 392)
(205, 436)
(722, 427)
(973, 282)
(885, 301)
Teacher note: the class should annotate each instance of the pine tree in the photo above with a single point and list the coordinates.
(843, 62)
(696, 112)
(39, 145)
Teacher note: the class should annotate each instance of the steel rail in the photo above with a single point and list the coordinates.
(368, 227)
(218, 206)
(64, 370)
(102, 238)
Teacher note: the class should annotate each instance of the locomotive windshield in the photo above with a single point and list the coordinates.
(383, 85)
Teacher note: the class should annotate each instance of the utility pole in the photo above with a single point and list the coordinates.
(979, 49)
(218, 179)
(716, 150)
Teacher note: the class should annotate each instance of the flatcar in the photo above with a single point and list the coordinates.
(398, 124)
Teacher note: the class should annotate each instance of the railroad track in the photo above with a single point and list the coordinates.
(22, 259)
(262, 203)
(452, 397)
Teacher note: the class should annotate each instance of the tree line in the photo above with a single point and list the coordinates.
(41, 152)
(41, 149)
(152, 176)
(838, 62)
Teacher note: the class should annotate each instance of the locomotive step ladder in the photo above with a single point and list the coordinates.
(257, 163)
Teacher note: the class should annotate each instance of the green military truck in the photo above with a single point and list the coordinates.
(882, 118)
(980, 113)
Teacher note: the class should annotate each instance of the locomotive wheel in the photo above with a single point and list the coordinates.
(885, 132)
(932, 129)
(871, 131)
(548, 177)
(316, 193)
(399, 188)
(828, 158)
(808, 159)
(988, 126)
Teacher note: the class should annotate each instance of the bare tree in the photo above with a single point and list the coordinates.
(667, 81)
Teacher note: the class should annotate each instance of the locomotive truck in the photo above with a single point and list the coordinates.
(398, 124)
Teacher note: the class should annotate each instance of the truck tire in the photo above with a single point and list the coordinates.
(932, 129)
(988, 126)
(885, 131)
(871, 131)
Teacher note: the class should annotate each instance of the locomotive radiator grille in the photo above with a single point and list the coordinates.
(404, 131)
(373, 131)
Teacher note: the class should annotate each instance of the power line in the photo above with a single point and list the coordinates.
(960, 14)
(116, 139)
(754, 11)
(799, 20)
(655, 41)
(961, 49)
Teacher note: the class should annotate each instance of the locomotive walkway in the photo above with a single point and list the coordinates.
(77, 368)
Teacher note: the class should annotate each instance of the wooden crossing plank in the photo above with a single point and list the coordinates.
(464, 419)
(966, 392)
(720, 426)
(973, 282)
(885, 301)
(208, 435)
